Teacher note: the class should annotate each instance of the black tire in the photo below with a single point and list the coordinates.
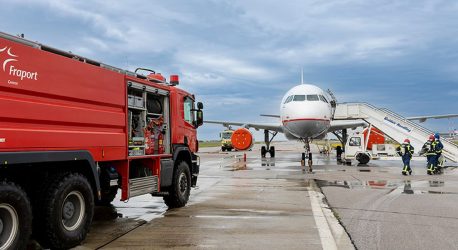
(223, 149)
(229, 149)
(263, 151)
(363, 158)
(181, 187)
(272, 152)
(15, 217)
(67, 210)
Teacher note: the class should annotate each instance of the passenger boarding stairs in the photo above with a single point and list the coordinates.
(393, 125)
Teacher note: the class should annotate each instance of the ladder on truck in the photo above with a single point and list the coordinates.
(394, 125)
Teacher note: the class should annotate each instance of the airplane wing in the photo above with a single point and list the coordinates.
(274, 116)
(424, 118)
(257, 126)
(335, 125)
(343, 124)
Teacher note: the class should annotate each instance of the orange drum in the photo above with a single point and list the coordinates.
(242, 139)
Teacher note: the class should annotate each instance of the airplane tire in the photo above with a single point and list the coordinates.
(272, 152)
(223, 149)
(263, 151)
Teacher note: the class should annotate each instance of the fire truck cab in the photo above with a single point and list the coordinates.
(73, 131)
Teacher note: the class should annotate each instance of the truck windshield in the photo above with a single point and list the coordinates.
(226, 135)
(355, 141)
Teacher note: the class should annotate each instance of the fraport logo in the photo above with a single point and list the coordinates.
(9, 68)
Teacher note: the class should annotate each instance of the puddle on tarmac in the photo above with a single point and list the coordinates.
(237, 163)
(379, 184)
(397, 186)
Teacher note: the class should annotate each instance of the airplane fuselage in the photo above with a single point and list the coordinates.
(305, 112)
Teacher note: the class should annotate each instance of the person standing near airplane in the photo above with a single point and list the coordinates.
(406, 151)
(429, 149)
(439, 158)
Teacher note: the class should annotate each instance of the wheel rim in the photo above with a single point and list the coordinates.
(73, 210)
(9, 224)
(183, 183)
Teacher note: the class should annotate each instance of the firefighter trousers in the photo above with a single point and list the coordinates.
(406, 161)
(432, 161)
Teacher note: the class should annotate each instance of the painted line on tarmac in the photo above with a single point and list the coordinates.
(327, 239)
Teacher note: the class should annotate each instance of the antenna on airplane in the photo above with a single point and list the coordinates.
(302, 75)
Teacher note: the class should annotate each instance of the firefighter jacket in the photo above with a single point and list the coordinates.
(405, 149)
(430, 148)
(438, 147)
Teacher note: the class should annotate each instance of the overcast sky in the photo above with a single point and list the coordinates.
(239, 57)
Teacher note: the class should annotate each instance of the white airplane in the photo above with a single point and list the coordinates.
(306, 113)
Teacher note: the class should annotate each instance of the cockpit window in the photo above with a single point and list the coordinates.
(291, 98)
(323, 99)
(288, 99)
(312, 98)
(299, 98)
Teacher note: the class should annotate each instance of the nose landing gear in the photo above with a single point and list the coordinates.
(307, 154)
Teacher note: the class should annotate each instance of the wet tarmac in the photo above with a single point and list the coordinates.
(381, 209)
(258, 204)
(268, 204)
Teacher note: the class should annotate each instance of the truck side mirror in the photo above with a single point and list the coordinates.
(199, 118)
(200, 105)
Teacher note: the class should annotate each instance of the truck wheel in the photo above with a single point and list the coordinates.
(68, 209)
(15, 217)
(363, 158)
(181, 187)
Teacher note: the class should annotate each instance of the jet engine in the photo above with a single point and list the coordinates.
(242, 139)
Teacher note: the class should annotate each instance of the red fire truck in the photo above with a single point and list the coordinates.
(73, 131)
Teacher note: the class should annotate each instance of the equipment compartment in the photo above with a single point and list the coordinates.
(147, 121)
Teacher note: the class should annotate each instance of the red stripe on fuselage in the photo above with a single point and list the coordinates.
(306, 119)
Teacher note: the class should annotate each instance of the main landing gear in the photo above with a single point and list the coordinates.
(267, 148)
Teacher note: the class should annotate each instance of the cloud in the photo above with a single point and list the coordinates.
(244, 55)
(218, 100)
(225, 64)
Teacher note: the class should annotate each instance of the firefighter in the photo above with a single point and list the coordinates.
(339, 152)
(430, 152)
(406, 151)
(439, 156)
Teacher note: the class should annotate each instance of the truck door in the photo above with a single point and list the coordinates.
(189, 123)
(354, 145)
